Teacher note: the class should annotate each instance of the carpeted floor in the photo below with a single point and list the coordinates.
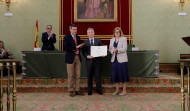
(130, 102)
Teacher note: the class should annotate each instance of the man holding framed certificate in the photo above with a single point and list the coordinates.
(91, 51)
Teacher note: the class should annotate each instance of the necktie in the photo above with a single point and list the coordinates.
(77, 51)
(91, 42)
(48, 34)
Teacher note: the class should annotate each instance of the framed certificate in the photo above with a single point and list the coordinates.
(98, 51)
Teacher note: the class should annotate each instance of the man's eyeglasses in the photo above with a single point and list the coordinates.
(48, 28)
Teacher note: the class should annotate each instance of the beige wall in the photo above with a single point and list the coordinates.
(18, 31)
(156, 25)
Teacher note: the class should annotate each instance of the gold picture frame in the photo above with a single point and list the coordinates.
(95, 10)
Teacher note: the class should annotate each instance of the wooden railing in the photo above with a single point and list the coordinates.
(9, 64)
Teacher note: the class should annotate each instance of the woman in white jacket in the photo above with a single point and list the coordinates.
(119, 59)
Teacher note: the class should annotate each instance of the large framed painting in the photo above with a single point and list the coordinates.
(95, 10)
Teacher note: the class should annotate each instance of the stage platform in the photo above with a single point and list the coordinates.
(165, 83)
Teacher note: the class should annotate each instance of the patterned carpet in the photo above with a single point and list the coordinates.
(130, 102)
(165, 83)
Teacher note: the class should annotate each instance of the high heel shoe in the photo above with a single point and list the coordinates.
(122, 94)
(115, 93)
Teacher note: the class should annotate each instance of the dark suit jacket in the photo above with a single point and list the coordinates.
(70, 47)
(48, 44)
(86, 50)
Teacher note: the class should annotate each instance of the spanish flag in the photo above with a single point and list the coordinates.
(36, 44)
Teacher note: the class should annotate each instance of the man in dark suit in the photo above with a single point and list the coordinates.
(92, 64)
(48, 39)
(73, 60)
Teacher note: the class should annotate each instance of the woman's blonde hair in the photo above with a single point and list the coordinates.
(121, 32)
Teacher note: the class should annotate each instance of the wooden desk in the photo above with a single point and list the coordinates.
(47, 64)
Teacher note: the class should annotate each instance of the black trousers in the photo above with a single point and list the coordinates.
(93, 69)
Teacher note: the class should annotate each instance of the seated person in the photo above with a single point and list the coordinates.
(4, 52)
(4, 55)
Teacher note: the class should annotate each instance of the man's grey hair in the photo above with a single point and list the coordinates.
(90, 29)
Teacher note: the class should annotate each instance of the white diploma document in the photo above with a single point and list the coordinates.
(98, 51)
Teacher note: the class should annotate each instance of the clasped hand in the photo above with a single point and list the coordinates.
(115, 50)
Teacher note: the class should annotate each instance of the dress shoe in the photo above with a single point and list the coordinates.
(122, 94)
(71, 94)
(100, 92)
(79, 93)
(89, 92)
